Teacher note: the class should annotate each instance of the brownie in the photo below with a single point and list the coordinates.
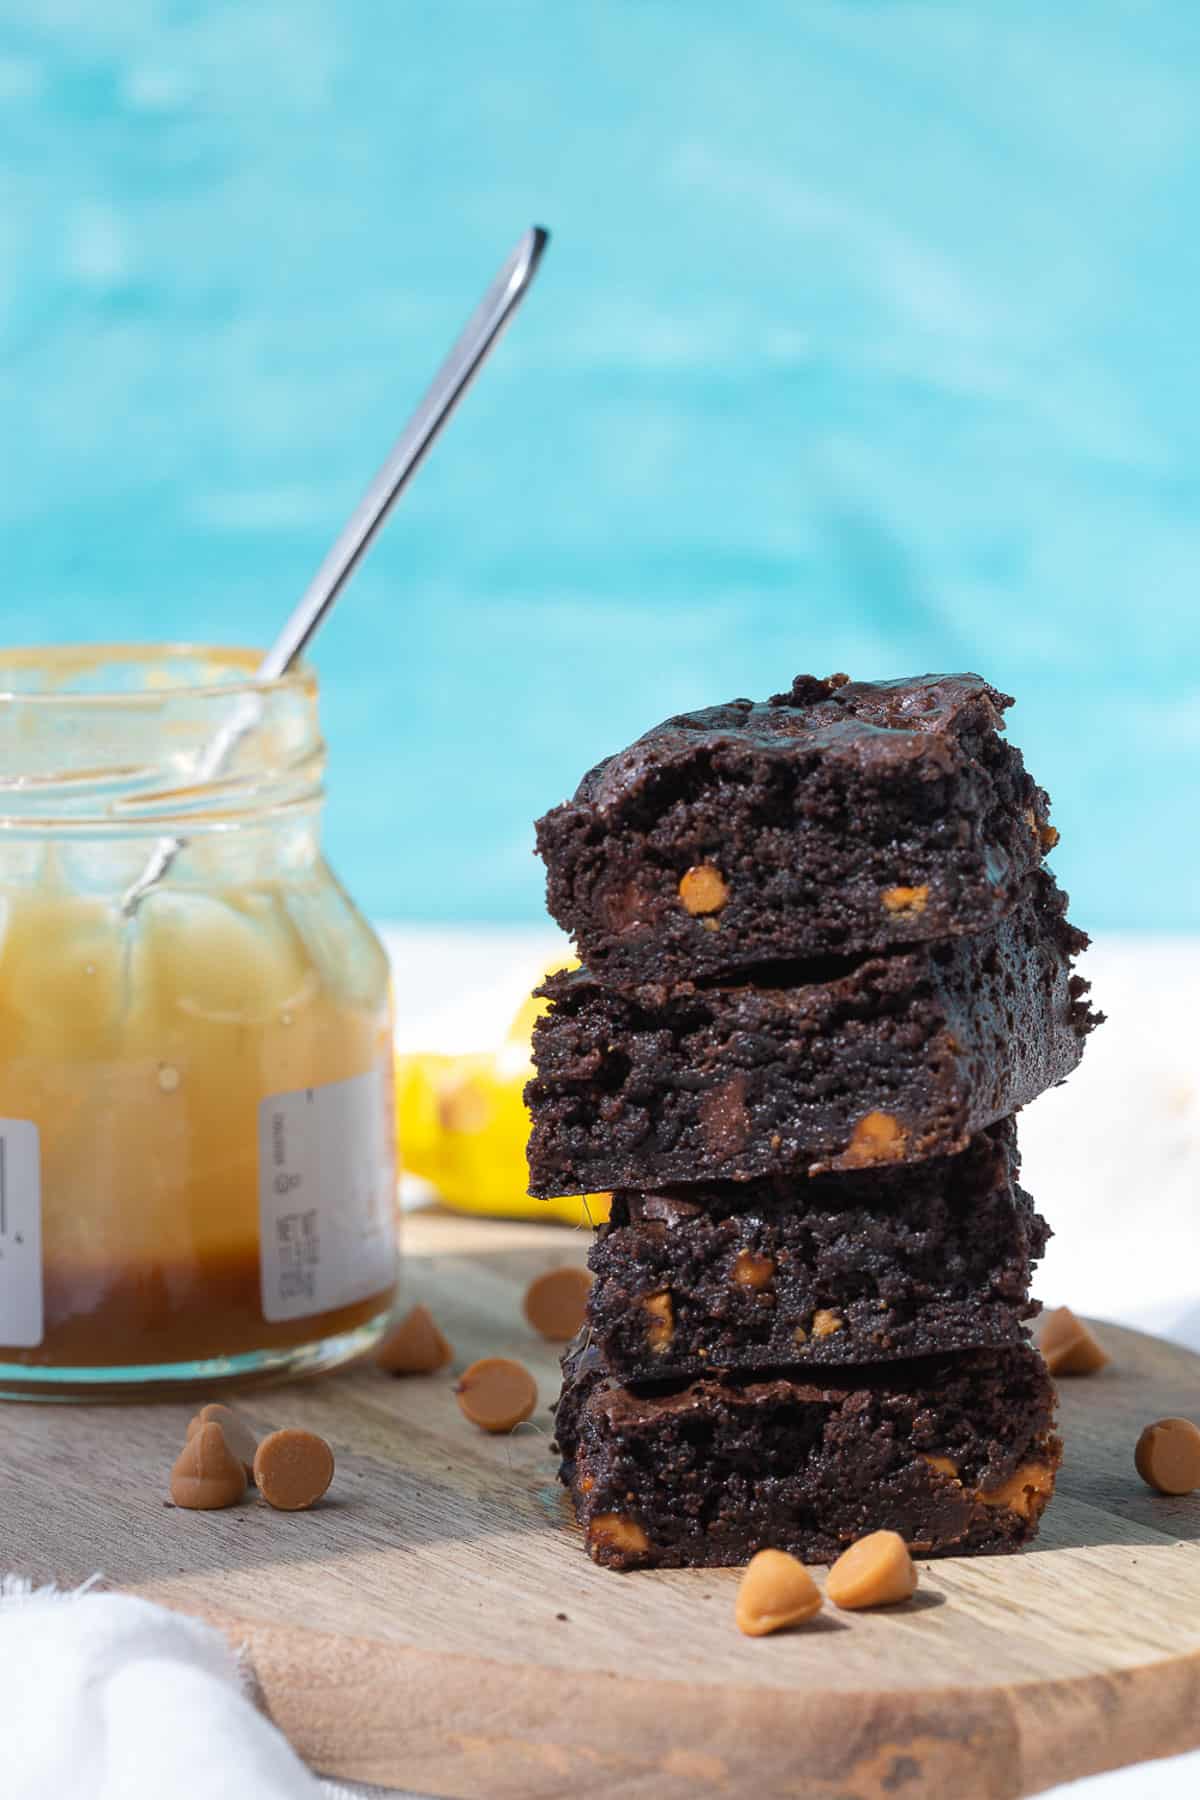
(956, 1454)
(882, 1059)
(841, 816)
(900, 1262)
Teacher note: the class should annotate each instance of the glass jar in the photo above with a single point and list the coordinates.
(197, 1153)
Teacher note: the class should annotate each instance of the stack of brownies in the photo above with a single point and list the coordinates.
(822, 969)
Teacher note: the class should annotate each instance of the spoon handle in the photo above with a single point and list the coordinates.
(446, 389)
(462, 364)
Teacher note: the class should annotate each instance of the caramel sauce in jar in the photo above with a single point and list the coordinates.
(197, 1159)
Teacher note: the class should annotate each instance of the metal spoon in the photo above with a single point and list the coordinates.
(447, 388)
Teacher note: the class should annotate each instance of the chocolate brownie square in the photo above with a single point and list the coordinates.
(841, 816)
(956, 1454)
(884, 1059)
(854, 1268)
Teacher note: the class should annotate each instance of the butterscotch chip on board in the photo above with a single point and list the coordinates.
(207, 1474)
(1167, 1456)
(555, 1302)
(238, 1434)
(413, 1345)
(293, 1468)
(1068, 1346)
(877, 1571)
(775, 1591)
(496, 1394)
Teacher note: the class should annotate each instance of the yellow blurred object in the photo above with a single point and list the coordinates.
(463, 1125)
(531, 1010)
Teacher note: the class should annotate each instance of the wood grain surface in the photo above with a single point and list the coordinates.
(435, 1624)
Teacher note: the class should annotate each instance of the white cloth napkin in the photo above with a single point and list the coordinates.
(106, 1697)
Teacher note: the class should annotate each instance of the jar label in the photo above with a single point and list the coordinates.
(327, 1196)
(20, 1234)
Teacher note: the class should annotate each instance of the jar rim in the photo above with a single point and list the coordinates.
(115, 738)
(80, 658)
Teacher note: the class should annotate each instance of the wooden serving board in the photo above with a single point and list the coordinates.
(435, 1625)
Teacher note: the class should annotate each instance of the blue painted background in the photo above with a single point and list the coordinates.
(868, 340)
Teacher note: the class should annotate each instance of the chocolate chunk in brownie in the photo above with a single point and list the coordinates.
(841, 816)
(889, 1059)
(855, 1268)
(956, 1454)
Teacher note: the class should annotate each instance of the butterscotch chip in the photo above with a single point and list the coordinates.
(825, 1323)
(1068, 1346)
(703, 889)
(775, 1591)
(616, 1531)
(238, 1434)
(293, 1468)
(207, 1474)
(1026, 1491)
(1167, 1456)
(877, 1138)
(751, 1270)
(660, 1329)
(877, 1571)
(556, 1301)
(496, 1394)
(413, 1345)
(1045, 835)
(906, 899)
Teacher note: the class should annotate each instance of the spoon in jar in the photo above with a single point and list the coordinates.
(454, 377)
